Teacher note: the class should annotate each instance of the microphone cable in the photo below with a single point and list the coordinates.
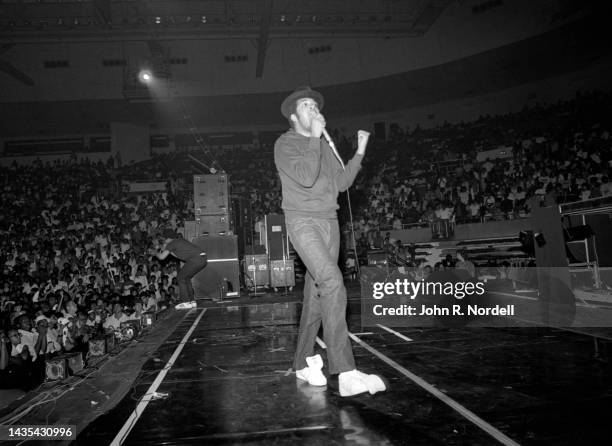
(348, 197)
(348, 200)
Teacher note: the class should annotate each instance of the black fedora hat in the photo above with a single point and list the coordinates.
(300, 93)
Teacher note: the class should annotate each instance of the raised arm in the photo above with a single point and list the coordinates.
(346, 176)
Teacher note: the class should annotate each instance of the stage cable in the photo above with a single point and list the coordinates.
(348, 195)
(348, 200)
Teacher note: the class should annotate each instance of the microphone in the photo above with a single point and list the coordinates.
(328, 138)
(333, 147)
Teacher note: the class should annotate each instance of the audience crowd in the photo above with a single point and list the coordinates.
(489, 169)
(78, 259)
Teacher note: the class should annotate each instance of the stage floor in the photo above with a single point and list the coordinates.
(230, 381)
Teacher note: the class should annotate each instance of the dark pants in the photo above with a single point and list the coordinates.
(191, 267)
(317, 242)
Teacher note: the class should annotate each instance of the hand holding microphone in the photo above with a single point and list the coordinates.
(317, 126)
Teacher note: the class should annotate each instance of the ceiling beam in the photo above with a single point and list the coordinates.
(264, 34)
(103, 10)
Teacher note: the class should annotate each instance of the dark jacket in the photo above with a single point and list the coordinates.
(311, 176)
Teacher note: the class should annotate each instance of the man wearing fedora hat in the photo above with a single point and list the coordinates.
(195, 261)
(312, 175)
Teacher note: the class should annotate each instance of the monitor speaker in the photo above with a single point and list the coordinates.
(55, 368)
(221, 276)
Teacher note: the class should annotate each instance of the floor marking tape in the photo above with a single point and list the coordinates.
(471, 416)
(399, 335)
(151, 392)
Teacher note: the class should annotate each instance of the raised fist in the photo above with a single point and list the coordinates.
(362, 141)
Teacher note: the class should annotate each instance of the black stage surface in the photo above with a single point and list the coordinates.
(229, 381)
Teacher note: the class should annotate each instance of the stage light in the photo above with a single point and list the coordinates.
(145, 76)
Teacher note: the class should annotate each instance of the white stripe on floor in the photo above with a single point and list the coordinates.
(471, 416)
(399, 335)
(144, 401)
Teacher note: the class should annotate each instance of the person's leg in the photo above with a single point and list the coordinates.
(191, 267)
(310, 321)
(335, 330)
(312, 239)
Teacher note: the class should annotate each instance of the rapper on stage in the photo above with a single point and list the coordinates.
(312, 175)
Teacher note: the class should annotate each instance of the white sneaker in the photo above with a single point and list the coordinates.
(374, 382)
(313, 373)
(356, 382)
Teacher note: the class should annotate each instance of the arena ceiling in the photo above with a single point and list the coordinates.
(37, 21)
(189, 19)
(561, 50)
(564, 50)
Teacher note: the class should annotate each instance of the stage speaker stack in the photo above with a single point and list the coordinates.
(211, 202)
(212, 225)
(282, 271)
(221, 277)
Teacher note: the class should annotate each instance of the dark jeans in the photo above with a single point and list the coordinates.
(317, 242)
(191, 267)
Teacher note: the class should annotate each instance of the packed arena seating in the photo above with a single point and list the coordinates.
(76, 247)
(77, 257)
(559, 153)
